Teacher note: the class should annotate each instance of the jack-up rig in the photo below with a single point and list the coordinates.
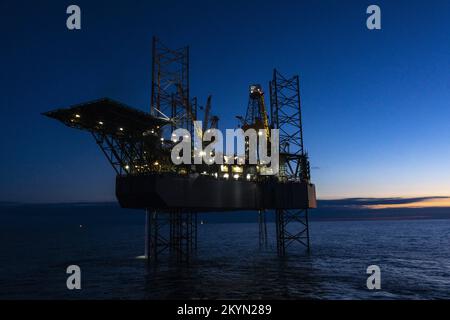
(138, 146)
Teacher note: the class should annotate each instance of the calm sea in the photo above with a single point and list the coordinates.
(37, 243)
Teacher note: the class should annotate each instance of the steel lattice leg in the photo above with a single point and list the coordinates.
(292, 226)
(174, 231)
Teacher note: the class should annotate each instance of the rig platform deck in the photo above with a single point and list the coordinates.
(204, 193)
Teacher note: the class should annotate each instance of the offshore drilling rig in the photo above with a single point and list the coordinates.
(138, 146)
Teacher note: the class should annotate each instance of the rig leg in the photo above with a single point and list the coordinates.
(262, 229)
(195, 231)
(156, 243)
(292, 226)
(183, 234)
(147, 233)
(174, 231)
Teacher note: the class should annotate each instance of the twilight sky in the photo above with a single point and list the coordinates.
(376, 104)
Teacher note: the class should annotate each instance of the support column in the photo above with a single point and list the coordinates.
(156, 241)
(175, 232)
(292, 226)
(183, 234)
(147, 233)
(262, 229)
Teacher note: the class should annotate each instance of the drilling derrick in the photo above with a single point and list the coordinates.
(256, 118)
(256, 115)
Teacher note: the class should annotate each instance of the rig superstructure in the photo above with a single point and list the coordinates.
(138, 146)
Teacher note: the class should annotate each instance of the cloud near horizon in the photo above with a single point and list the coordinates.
(429, 202)
(388, 203)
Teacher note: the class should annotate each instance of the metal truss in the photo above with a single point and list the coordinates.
(291, 227)
(183, 234)
(286, 115)
(285, 108)
(126, 154)
(175, 232)
(170, 84)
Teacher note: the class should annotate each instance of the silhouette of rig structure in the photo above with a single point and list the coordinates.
(138, 146)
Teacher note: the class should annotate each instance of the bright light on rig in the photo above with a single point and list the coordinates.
(237, 169)
(249, 176)
(100, 123)
(236, 176)
(77, 116)
(226, 176)
(121, 129)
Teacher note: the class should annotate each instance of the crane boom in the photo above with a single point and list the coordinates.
(264, 116)
(207, 110)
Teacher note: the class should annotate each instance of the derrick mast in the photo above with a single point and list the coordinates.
(256, 116)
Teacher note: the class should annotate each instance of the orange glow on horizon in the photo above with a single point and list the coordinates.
(427, 203)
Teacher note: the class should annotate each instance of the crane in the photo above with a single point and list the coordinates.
(207, 110)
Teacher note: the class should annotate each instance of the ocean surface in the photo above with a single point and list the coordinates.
(38, 243)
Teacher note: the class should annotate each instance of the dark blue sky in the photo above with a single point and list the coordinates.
(376, 103)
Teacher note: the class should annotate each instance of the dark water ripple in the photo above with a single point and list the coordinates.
(414, 257)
